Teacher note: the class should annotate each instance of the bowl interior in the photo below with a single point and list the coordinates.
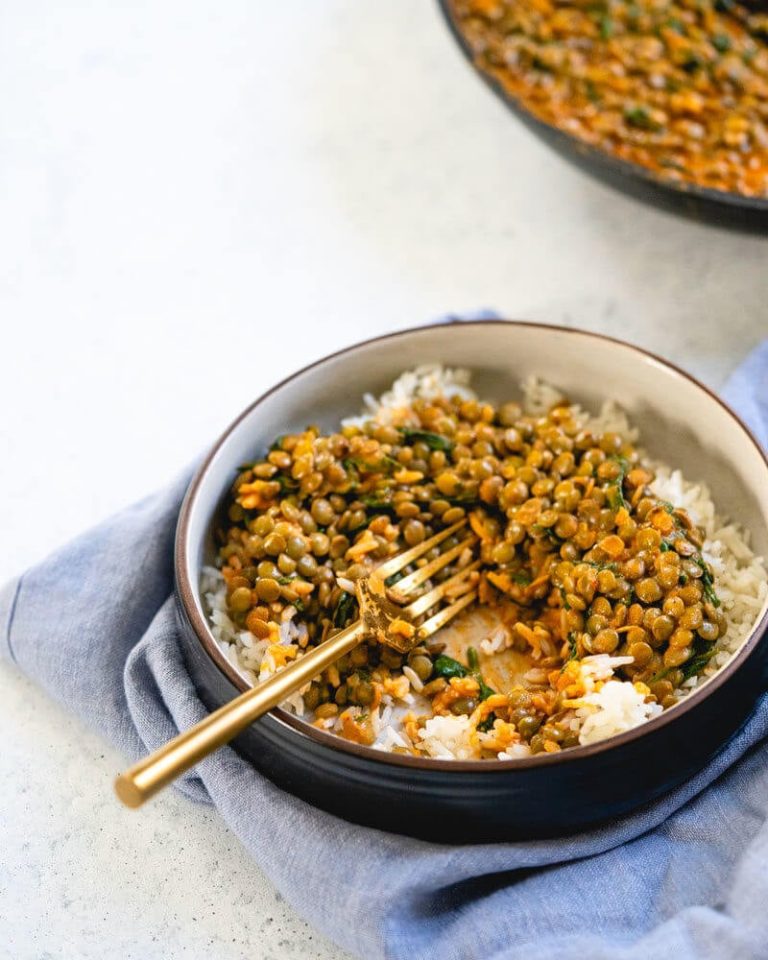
(681, 422)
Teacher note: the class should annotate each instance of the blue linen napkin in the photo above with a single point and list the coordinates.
(686, 877)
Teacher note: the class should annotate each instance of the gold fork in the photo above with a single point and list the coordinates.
(382, 618)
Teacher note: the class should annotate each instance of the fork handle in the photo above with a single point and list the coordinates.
(156, 771)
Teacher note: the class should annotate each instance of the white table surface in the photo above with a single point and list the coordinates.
(195, 199)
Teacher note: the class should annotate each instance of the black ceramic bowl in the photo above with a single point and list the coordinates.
(714, 206)
(683, 424)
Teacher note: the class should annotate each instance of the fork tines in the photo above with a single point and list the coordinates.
(460, 588)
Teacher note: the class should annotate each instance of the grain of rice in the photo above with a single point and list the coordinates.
(416, 682)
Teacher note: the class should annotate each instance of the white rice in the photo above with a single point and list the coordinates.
(616, 707)
(447, 738)
(611, 705)
(427, 381)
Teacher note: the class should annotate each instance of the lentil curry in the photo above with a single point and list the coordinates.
(587, 572)
(677, 86)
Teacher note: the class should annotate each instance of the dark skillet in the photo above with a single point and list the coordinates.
(700, 203)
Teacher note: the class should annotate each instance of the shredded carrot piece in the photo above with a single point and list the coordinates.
(662, 521)
(479, 523)
(613, 545)
(257, 495)
(408, 476)
(402, 628)
(500, 580)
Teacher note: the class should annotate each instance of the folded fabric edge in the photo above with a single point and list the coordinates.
(9, 596)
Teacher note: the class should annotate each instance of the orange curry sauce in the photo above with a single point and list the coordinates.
(679, 87)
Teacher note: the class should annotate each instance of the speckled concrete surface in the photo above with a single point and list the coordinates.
(82, 878)
(175, 177)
